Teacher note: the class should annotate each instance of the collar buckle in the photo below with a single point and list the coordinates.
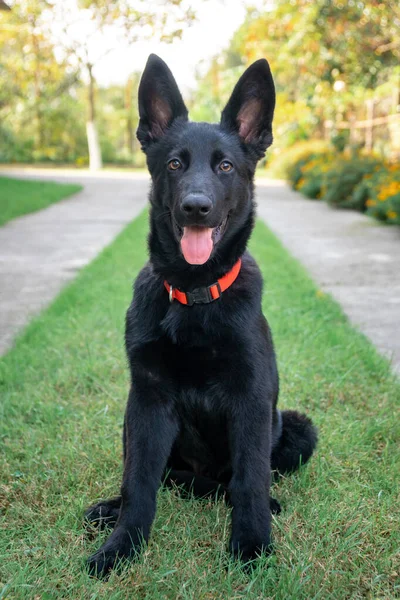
(199, 296)
(171, 294)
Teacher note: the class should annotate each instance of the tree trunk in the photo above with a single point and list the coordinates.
(95, 162)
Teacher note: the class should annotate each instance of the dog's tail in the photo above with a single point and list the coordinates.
(296, 443)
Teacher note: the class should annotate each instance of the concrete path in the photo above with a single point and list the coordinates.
(349, 255)
(41, 252)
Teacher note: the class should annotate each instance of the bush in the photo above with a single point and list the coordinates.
(312, 175)
(340, 181)
(356, 181)
(281, 162)
(340, 140)
(295, 172)
(383, 194)
(13, 149)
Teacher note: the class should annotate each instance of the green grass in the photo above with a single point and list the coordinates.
(21, 196)
(63, 390)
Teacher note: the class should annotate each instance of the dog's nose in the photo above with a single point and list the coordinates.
(196, 205)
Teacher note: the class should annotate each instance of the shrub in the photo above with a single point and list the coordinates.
(360, 182)
(295, 172)
(280, 162)
(343, 176)
(312, 175)
(383, 191)
(360, 194)
(340, 140)
(82, 161)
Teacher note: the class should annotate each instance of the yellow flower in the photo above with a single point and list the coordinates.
(309, 166)
(320, 294)
(391, 214)
(300, 182)
(389, 190)
(370, 202)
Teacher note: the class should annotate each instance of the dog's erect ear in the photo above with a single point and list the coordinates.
(250, 109)
(160, 101)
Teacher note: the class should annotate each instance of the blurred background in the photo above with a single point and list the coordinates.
(69, 71)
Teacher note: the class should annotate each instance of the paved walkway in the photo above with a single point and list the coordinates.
(349, 255)
(42, 251)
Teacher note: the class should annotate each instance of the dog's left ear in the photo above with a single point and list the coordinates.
(250, 109)
(160, 101)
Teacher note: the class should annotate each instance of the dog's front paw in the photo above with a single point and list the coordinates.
(247, 549)
(117, 548)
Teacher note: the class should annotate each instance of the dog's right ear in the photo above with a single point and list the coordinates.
(160, 102)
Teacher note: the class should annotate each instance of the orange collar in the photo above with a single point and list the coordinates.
(204, 295)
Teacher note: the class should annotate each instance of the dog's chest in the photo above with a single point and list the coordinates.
(198, 373)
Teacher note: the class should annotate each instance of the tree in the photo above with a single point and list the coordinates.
(88, 30)
(326, 56)
(32, 81)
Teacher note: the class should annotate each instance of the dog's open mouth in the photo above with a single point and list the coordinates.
(197, 243)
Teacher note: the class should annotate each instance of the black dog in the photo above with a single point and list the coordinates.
(202, 410)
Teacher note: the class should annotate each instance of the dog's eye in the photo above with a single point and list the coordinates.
(226, 166)
(174, 164)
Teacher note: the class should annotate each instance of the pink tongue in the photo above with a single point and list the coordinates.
(197, 244)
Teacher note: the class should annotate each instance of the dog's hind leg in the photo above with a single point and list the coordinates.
(295, 444)
(103, 514)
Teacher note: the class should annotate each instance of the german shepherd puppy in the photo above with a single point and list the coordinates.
(201, 411)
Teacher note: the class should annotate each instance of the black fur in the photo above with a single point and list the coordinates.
(201, 411)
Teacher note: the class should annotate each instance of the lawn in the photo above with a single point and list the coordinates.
(63, 390)
(21, 196)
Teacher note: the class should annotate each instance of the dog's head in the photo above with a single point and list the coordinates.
(202, 174)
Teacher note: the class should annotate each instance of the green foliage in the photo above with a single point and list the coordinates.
(360, 195)
(283, 161)
(35, 105)
(43, 100)
(19, 197)
(381, 191)
(214, 89)
(14, 148)
(327, 58)
(313, 175)
(310, 43)
(340, 140)
(295, 172)
(343, 176)
(359, 182)
(307, 172)
(63, 389)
